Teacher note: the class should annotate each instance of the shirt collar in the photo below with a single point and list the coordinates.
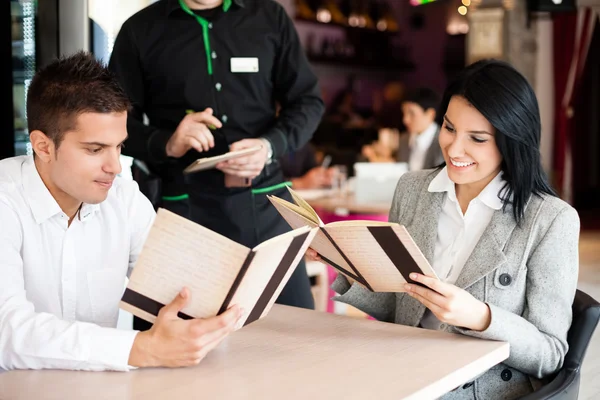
(87, 211)
(426, 137)
(173, 5)
(488, 196)
(42, 203)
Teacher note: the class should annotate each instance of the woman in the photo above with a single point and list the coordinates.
(504, 246)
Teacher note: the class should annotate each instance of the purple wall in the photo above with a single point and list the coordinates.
(425, 48)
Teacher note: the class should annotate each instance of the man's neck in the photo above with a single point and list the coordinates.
(67, 204)
(204, 5)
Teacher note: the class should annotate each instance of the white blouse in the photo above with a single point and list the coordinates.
(458, 233)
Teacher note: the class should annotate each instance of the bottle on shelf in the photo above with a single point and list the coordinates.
(304, 11)
(383, 15)
(337, 16)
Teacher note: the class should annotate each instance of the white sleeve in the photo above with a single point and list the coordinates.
(141, 215)
(31, 340)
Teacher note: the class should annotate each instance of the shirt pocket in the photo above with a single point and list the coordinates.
(106, 287)
(507, 289)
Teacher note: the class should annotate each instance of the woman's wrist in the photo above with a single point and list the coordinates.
(485, 318)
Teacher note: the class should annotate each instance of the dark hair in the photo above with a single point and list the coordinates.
(67, 87)
(505, 98)
(425, 97)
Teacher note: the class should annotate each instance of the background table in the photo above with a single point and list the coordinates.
(348, 204)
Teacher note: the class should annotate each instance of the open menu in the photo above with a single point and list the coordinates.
(378, 255)
(218, 271)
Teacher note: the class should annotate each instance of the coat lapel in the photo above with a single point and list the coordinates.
(488, 254)
(423, 230)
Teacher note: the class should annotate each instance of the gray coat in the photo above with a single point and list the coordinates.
(526, 274)
(433, 158)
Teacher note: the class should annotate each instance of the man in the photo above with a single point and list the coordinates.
(301, 169)
(72, 231)
(419, 146)
(208, 75)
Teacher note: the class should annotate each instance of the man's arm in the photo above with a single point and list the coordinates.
(144, 142)
(297, 90)
(33, 340)
(140, 217)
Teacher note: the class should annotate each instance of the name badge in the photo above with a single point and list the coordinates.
(244, 64)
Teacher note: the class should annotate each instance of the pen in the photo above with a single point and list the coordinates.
(326, 161)
(210, 126)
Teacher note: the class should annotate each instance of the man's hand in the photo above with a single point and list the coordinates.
(317, 177)
(249, 166)
(174, 342)
(449, 303)
(193, 132)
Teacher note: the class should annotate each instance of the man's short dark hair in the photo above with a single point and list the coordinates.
(67, 87)
(426, 98)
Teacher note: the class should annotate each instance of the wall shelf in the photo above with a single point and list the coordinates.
(362, 64)
(346, 26)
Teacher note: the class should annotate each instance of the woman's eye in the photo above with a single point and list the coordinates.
(478, 140)
(449, 128)
(95, 150)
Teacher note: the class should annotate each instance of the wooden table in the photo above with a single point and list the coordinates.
(291, 354)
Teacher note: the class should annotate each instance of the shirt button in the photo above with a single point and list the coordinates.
(210, 25)
(213, 55)
(218, 86)
(506, 375)
(224, 118)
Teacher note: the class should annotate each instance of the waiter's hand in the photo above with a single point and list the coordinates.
(249, 166)
(193, 132)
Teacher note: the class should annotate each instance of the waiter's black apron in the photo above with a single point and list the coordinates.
(246, 216)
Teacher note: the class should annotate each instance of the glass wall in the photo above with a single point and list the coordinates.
(23, 13)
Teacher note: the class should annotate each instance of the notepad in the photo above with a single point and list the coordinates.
(378, 255)
(205, 163)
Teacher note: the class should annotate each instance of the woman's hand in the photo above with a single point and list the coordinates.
(312, 255)
(449, 303)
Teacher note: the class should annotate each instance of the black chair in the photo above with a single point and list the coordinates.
(565, 385)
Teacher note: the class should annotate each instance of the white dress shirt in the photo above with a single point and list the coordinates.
(419, 145)
(60, 285)
(458, 234)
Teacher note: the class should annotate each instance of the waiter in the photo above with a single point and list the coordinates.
(207, 74)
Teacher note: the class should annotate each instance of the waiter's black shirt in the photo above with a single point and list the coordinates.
(162, 60)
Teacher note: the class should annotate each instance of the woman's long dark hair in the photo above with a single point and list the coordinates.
(505, 98)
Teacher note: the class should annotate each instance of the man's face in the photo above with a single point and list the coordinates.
(87, 160)
(415, 118)
(203, 4)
